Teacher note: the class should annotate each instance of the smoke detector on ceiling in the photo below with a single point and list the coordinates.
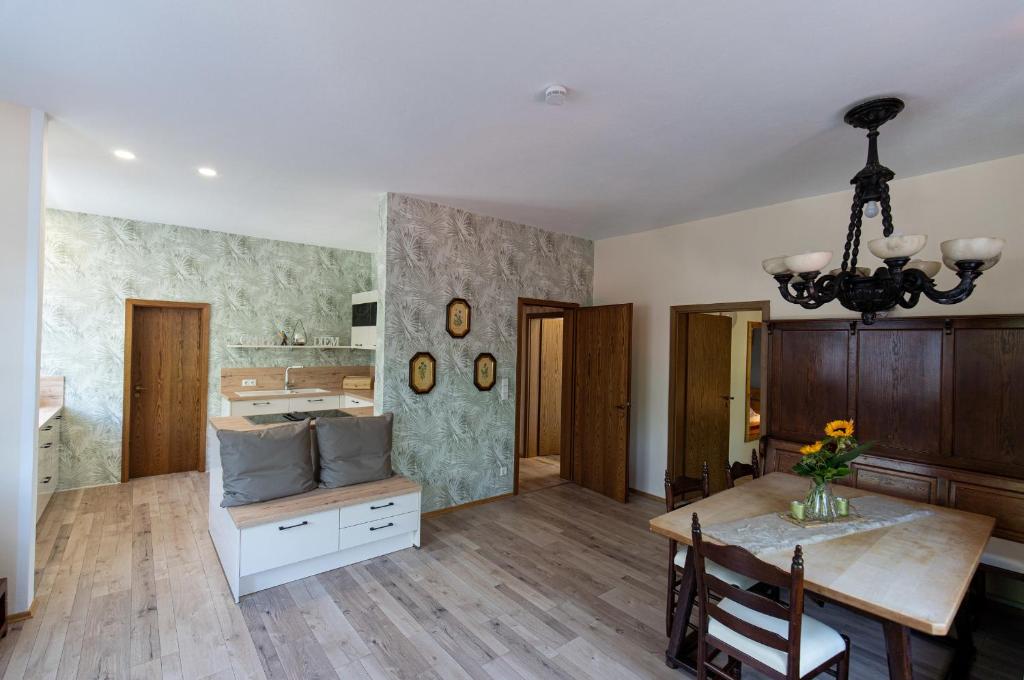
(555, 95)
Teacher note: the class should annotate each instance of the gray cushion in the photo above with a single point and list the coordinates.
(354, 450)
(264, 464)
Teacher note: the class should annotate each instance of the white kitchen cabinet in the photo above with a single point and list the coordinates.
(47, 462)
(315, 403)
(254, 407)
(355, 402)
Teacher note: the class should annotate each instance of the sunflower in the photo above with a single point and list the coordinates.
(839, 428)
(810, 448)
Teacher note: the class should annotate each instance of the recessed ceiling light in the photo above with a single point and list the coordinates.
(124, 154)
(207, 172)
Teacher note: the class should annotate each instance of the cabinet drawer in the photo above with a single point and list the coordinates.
(379, 529)
(314, 403)
(379, 509)
(355, 402)
(258, 406)
(288, 541)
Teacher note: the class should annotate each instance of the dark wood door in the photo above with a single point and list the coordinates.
(706, 430)
(601, 395)
(166, 384)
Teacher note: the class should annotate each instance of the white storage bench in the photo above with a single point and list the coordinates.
(266, 544)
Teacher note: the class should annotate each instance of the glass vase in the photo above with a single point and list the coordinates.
(820, 505)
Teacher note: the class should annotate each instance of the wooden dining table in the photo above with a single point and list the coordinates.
(910, 576)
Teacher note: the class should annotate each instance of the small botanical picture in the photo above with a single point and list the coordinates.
(457, 319)
(485, 369)
(422, 369)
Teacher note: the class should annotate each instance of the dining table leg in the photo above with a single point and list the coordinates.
(897, 649)
(675, 654)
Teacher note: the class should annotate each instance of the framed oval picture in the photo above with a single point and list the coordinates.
(422, 372)
(485, 370)
(457, 317)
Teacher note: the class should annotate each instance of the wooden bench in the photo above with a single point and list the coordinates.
(266, 544)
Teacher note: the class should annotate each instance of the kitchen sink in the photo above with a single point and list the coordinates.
(281, 393)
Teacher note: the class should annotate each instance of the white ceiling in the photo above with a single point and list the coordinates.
(678, 110)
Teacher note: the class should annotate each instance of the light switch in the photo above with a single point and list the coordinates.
(503, 389)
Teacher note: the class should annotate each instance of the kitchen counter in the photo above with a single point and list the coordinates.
(242, 424)
(231, 395)
(47, 411)
(51, 397)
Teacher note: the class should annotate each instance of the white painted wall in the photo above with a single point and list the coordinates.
(719, 260)
(22, 135)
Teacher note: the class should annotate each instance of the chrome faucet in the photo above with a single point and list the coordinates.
(287, 379)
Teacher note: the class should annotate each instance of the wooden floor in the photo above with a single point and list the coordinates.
(562, 583)
(539, 472)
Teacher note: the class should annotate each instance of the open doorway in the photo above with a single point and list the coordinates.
(717, 360)
(540, 458)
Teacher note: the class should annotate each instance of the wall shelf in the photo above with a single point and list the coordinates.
(367, 349)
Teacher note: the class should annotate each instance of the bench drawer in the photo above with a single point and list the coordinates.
(379, 509)
(288, 541)
(379, 529)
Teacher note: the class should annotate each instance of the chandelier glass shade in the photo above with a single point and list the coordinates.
(901, 280)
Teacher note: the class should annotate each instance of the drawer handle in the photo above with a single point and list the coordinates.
(47, 428)
(389, 524)
(46, 445)
(261, 403)
(46, 480)
(292, 526)
(314, 400)
(378, 507)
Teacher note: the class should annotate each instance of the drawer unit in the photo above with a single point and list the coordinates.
(47, 461)
(315, 403)
(379, 529)
(259, 406)
(286, 541)
(379, 509)
(355, 402)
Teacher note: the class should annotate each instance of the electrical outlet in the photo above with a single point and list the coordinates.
(248, 382)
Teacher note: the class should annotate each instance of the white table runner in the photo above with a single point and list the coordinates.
(766, 533)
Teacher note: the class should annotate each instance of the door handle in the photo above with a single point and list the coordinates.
(727, 397)
(623, 407)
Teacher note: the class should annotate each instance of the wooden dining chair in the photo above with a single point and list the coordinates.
(679, 492)
(738, 470)
(776, 639)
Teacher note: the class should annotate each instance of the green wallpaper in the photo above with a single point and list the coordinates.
(254, 286)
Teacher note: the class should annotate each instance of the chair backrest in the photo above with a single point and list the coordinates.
(677, 489)
(738, 469)
(743, 562)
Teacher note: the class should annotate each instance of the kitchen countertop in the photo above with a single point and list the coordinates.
(358, 394)
(241, 424)
(47, 411)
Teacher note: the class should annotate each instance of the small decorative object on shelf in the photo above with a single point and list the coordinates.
(484, 369)
(457, 317)
(282, 338)
(824, 461)
(299, 336)
(902, 281)
(422, 372)
(842, 506)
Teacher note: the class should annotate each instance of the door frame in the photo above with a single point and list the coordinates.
(568, 363)
(677, 369)
(130, 305)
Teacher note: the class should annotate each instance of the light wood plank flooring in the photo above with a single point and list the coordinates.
(561, 583)
(539, 472)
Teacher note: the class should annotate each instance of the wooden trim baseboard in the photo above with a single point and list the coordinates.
(638, 492)
(21, 616)
(463, 506)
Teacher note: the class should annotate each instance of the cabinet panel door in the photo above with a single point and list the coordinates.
(988, 393)
(809, 376)
(899, 389)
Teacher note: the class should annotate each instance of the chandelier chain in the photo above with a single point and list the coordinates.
(855, 219)
(886, 211)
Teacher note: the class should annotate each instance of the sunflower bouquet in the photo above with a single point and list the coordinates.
(829, 458)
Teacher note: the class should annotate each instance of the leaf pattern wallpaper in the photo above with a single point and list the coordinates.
(254, 286)
(456, 440)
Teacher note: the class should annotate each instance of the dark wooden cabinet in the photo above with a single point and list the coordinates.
(944, 391)
(942, 400)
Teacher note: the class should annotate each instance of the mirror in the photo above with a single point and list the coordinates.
(753, 383)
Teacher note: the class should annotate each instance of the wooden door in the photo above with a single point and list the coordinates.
(601, 397)
(549, 392)
(706, 428)
(166, 388)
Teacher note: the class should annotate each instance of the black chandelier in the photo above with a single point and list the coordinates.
(902, 280)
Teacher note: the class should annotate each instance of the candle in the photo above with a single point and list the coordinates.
(842, 506)
(796, 510)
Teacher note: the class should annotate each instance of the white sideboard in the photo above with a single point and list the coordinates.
(48, 460)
